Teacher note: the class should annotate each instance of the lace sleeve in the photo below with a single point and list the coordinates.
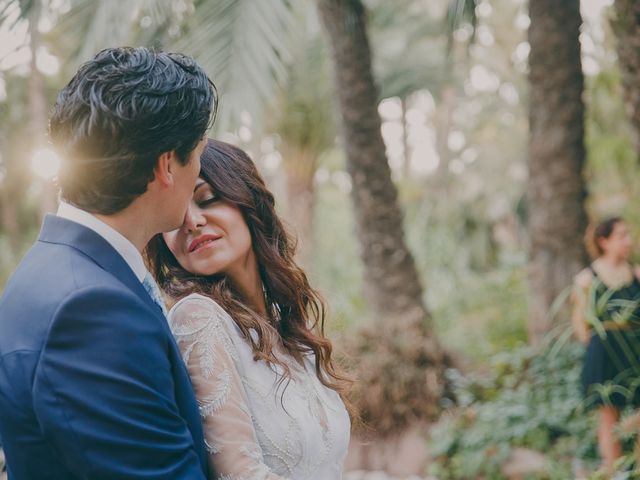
(208, 351)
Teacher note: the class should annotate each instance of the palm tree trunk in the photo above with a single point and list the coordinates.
(556, 190)
(627, 28)
(400, 380)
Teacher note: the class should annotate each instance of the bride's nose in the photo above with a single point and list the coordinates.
(193, 219)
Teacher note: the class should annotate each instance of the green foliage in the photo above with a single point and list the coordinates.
(337, 269)
(529, 400)
(489, 317)
(475, 288)
(612, 165)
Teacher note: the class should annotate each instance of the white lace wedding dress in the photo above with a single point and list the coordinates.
(255, 427)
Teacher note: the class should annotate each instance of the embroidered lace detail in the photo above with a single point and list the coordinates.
(257, 428)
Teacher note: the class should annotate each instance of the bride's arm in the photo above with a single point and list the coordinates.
(199, 327)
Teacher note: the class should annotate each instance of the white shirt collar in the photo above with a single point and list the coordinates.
(119, 242)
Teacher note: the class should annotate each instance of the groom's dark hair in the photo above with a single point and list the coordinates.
(118, 114)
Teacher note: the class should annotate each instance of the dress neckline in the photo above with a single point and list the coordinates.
(634, 278)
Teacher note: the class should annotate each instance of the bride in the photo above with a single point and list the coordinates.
(249, 327)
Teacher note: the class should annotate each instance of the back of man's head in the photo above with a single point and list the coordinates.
(118, 114)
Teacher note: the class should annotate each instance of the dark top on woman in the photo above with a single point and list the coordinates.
(611, 373)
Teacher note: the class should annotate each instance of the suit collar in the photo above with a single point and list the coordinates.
(119, 242)
(66, 232)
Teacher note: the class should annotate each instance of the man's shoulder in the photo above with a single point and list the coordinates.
(50, 279)
(51, 271)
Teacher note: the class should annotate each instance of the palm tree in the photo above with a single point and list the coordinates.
(556, 190)
(400, 360)
(305, 124)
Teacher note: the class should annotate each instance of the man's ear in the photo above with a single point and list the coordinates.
(163, 172)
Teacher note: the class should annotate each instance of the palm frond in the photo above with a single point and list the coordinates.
(91, 26)
(101, 24)
(244, 46)
(13, 14)
(458, 12)
(421, 43)
(9, 8)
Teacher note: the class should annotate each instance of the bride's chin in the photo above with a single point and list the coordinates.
(207, 272)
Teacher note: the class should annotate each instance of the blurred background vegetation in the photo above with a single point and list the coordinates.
(488, 373)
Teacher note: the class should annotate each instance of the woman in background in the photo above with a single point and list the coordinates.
(250, 330)
(606, 318)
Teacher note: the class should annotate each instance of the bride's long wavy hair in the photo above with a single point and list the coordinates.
(296, 312)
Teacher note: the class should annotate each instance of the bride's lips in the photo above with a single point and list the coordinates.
(202, 241)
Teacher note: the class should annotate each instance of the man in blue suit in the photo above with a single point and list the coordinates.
(92, 385)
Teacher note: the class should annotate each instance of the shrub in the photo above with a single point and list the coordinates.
(529, 400)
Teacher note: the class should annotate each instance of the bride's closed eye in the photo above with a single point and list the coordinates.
(208, 200)
(205, 196)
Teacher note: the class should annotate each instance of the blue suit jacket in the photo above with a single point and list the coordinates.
(92, 384)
